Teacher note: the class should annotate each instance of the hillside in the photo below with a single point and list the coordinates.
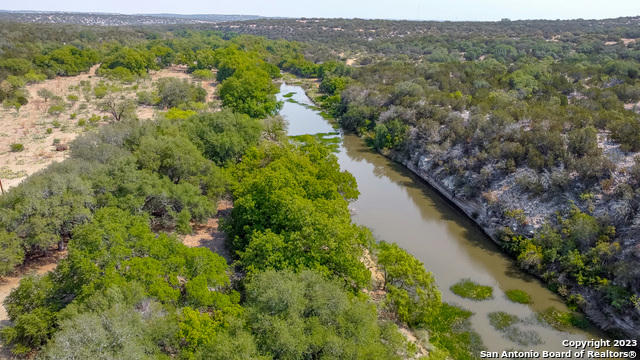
(106, 19)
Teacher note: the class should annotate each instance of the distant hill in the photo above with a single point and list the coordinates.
(109, 19)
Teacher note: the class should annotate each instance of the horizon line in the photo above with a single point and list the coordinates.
(306, 17)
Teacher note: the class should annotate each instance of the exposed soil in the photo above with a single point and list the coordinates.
(35, 128)
(208, 235)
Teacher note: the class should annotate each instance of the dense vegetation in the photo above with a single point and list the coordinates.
(129, 288)
(536, 122)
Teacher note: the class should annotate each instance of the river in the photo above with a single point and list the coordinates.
(399, 207)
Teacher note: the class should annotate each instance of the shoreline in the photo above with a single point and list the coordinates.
(600, 315)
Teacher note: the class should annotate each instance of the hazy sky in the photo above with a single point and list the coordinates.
(390, 9)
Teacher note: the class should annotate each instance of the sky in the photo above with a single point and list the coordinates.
(369, 9)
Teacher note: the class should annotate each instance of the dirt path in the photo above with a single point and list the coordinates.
(208, 235)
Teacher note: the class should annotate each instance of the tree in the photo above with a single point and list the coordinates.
(291, 213)
(223, 136)
(412, 292)
(250, 92)
(173, 92)
(125, 62)
(119, 108)
(298, 315)
(11, 252)
(45, 94)
(116, 333)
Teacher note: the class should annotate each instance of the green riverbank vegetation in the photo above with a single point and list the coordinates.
(129, 288)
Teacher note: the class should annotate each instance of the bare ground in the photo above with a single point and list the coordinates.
(36, 129)
(208, 235)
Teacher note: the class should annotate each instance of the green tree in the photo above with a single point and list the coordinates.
(250, 92)
(412, 292)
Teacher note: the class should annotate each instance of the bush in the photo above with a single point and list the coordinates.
(11, 252)
(468, 289)
(16, 147)
(563, 320)
(56, 109)
(203, 74)
(146, 98)
(173, 92)
(183, 222)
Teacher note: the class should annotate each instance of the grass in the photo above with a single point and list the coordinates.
(505, 323)
(329, 139)
(288, 95)
(563, 320)
(518, 296)
(523, 337)
(502, 320)
(468, 289)
(6, 173)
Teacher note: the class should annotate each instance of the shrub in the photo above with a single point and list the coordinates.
(563, 320)
(203, 74)
(56, 109)
(183, 222)
(145, 98)
(173, 92)
(16, 147)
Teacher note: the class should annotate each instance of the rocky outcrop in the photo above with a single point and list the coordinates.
(491, 221)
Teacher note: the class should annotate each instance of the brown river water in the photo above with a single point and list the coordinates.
(399, 207)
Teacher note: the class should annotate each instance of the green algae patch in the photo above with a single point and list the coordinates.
(468, 289)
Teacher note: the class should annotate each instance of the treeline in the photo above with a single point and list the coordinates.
(31, 53)
(441, 41)
(128, 287)
(525, 130)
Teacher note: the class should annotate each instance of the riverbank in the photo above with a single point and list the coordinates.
(492, 223)
(432, 229)
(491, 210)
